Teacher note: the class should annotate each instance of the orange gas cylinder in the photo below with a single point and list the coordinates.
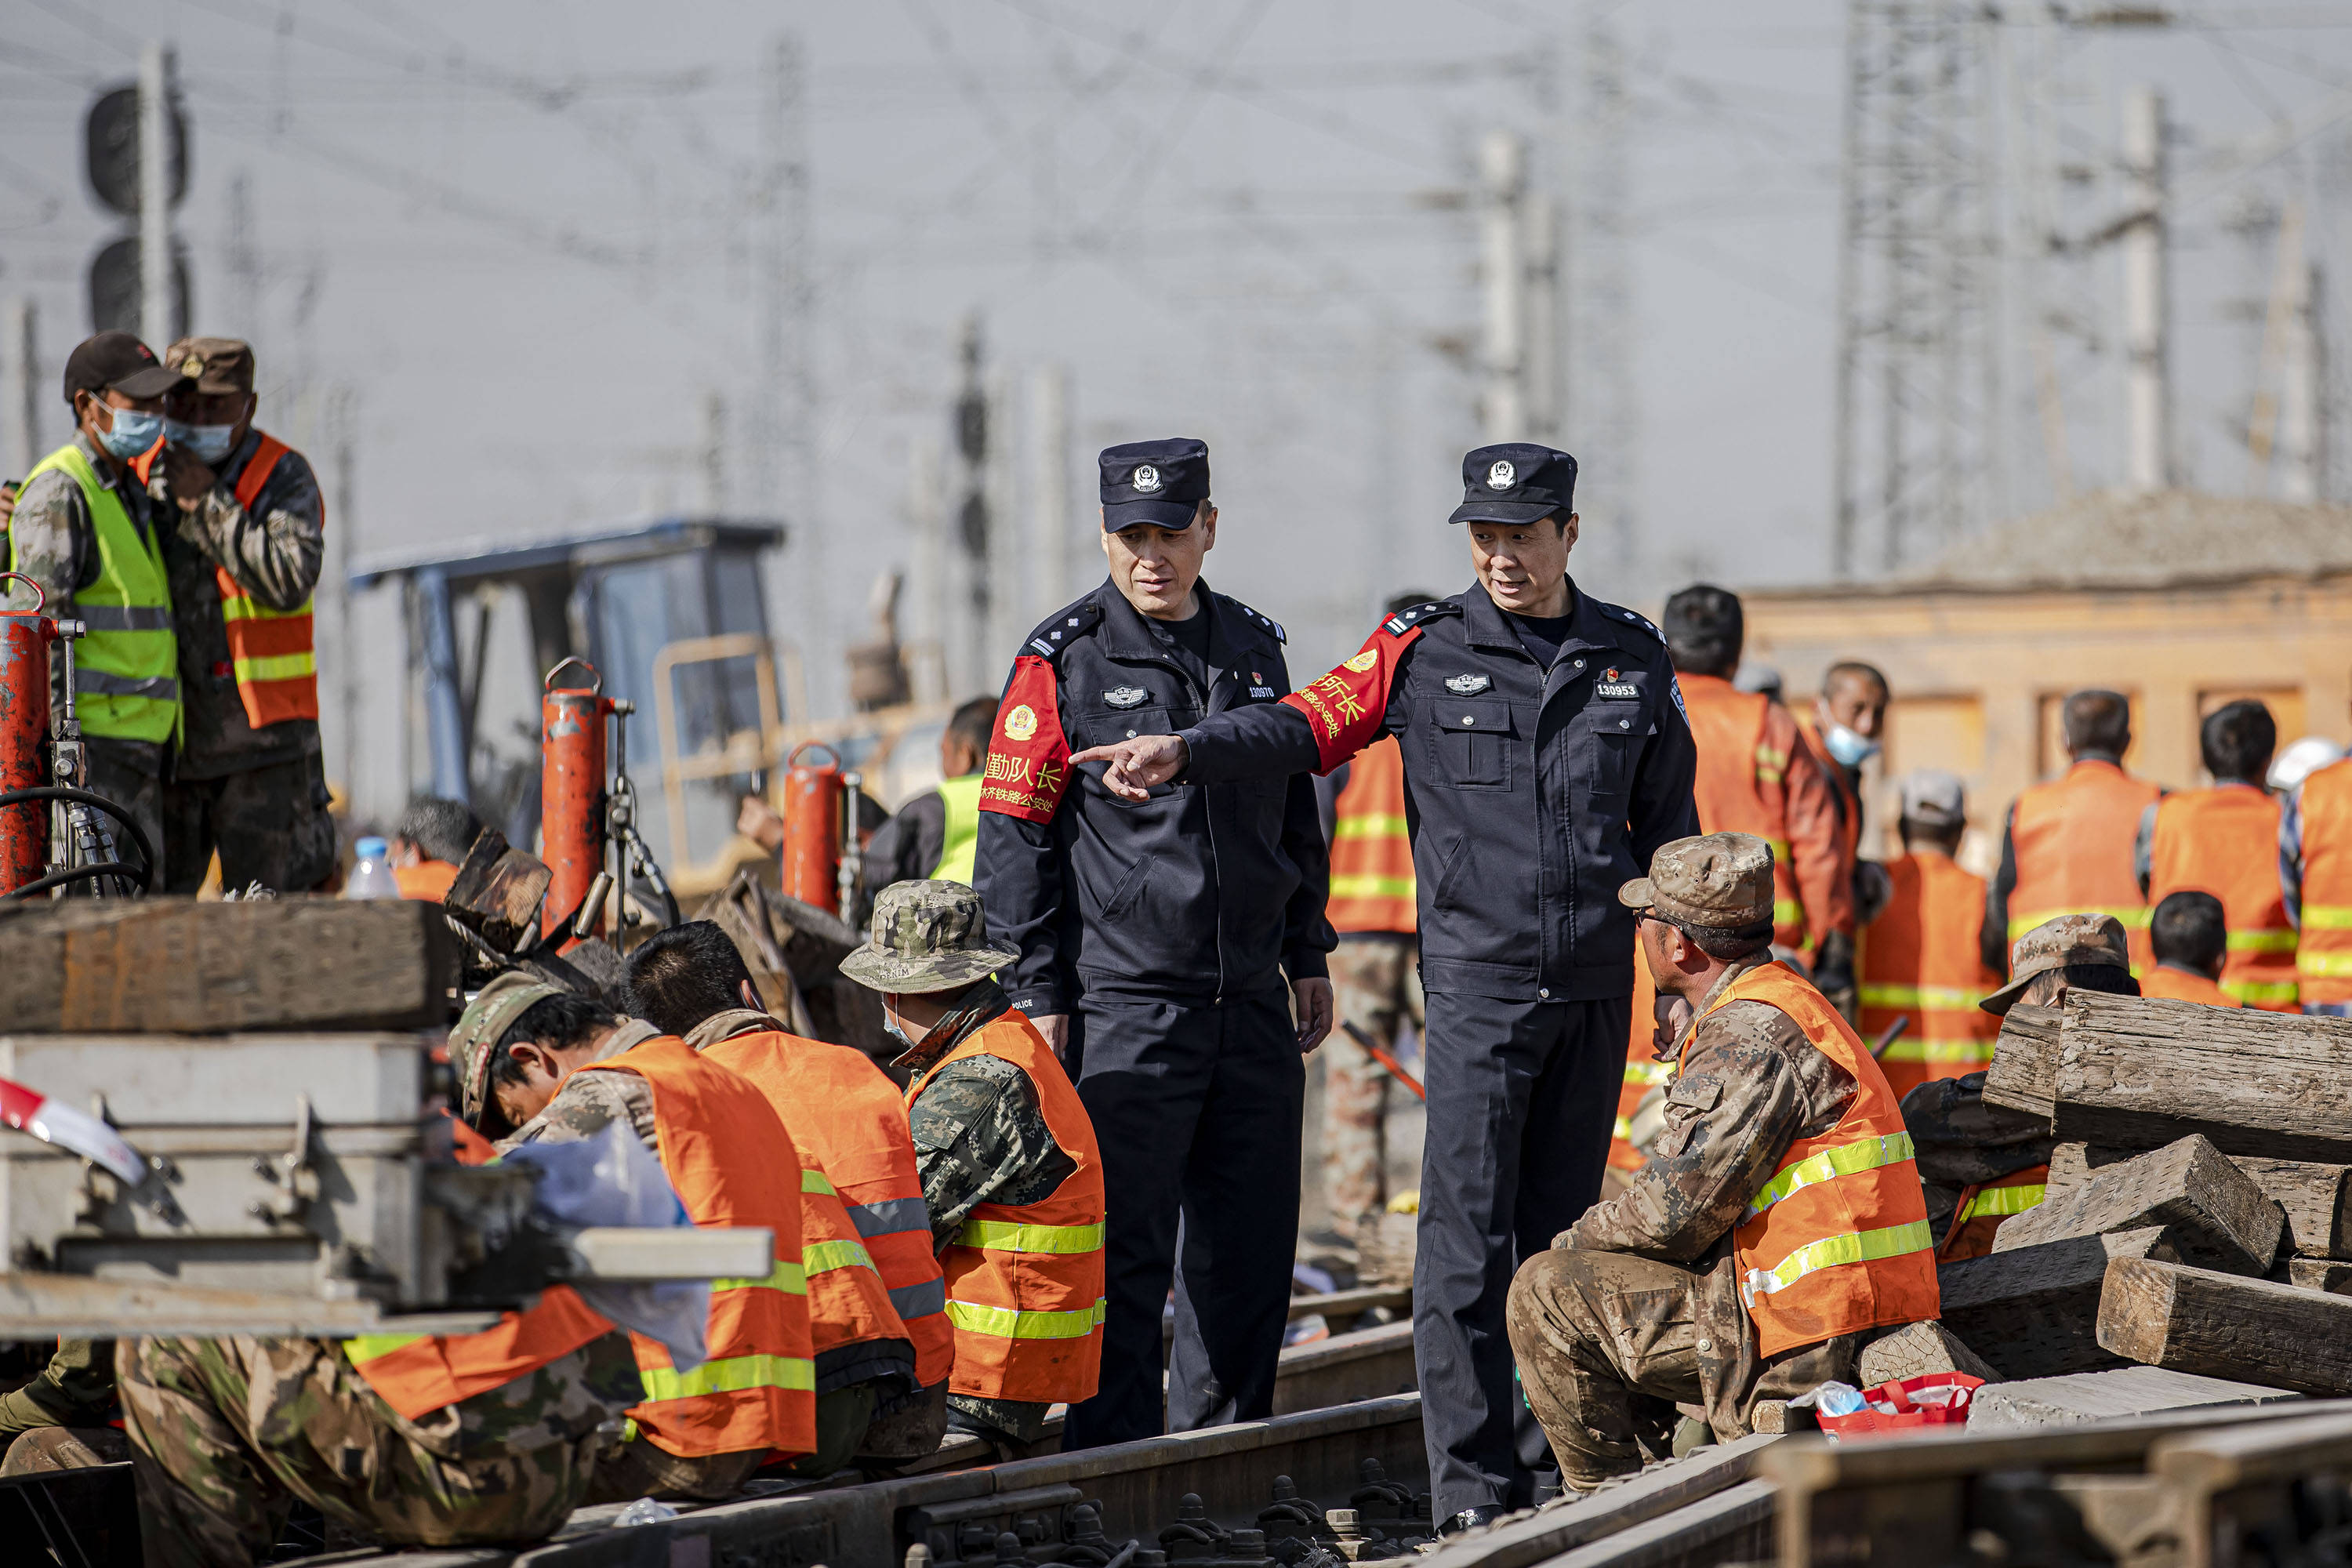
(813, 827)
(25, 638)
(572, 789)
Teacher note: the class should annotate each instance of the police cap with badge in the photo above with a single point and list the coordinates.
(1518, 481)
(1162, 483)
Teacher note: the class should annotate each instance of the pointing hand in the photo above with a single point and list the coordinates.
(1136, 766)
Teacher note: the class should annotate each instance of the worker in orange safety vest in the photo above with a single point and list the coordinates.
(1846, 728)
(1783, 1139)
(429, 846)
(2066, 847)
(1921, 960)
(2192, 937)
(2315, 885)
(2224, 841)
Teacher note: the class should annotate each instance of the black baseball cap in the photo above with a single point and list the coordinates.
(1516, 482)
(118, 362)
(1163, 483)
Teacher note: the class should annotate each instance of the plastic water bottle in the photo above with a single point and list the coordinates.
(370, 877)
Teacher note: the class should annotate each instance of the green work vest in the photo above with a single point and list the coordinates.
(127, 668)
(961, 846)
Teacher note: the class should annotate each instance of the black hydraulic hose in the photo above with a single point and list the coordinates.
(40, 793)
(76, 874)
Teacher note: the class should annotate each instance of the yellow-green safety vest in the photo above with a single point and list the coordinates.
(959, 849)
(127, 668)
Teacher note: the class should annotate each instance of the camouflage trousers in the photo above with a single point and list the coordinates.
(269, 823)
(1608, 1344)
(227, 1434)
(1374, 986)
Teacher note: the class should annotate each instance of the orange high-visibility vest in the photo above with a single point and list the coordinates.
(733, 1164)
(2224, 841)
(2073, 841)
(2323, 955)
(1920, 959)
(1025, 1281)
(1736, 760)
(427, 880)
(1976, 1218)
(1849, 804)
(2183, 985)
(276, 670)
(1371, 855)
(848, 1122)
(1643, 1068)
(419, 1373)
(1837, 1240)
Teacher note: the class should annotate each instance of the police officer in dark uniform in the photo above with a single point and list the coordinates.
(1154, 938)
(1546, 757)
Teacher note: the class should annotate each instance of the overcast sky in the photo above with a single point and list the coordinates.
(523, 234)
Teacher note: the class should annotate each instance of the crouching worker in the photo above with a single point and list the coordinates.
(1778, 1219)
(1007, 1159)
(463, 1440)
(561, 1068)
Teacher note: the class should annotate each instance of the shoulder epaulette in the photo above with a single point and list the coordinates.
(1262, 623)
(1620, 613)
(1411, 616)
(1056, 633)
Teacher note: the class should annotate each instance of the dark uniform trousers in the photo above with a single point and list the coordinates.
(1196, 1110)
(1522, 1096)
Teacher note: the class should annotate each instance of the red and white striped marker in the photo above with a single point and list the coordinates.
(29, 1110)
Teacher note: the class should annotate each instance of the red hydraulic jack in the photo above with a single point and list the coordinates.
(42, 767)
(822, 855)
(581, 815)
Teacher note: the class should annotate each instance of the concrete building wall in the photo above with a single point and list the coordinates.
(1977, 675)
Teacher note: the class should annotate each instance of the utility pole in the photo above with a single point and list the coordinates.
(967, 656)
(341, 644)
(926, 516)
(24, 429)
(1502, 189)
(785, 473)
(1604, 415)
(155, 322)
(1540, 358)
(1049, 489)
(714, 454)
(244, 260)
(2148, 397)
(1008, 544)
(2302, 402)
(1917, 381)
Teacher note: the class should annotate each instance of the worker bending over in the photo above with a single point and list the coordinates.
(877, 1303)
(1778, 1216)
(2192, 937)
(429, 846)
(564, 1068)
(1981, 1162)
(1008, 1162)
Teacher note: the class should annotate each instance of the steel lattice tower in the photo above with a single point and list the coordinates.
(1918, 406)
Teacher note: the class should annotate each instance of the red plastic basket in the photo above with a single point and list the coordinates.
(1871, 1422)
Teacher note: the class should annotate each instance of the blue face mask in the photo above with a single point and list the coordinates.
(133, 433)
(209, 444)
(1850, 749)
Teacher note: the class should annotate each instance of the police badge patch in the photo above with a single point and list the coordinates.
(1127, 696)
(1463, 685)
(1147, 479)
(1502, 476)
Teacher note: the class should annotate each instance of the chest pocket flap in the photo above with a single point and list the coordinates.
(1690, 1099)
(1470, 741)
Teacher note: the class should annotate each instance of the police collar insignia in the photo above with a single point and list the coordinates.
(1126, 696)
(1463, 685)
(1502, 476)
(1147, 478)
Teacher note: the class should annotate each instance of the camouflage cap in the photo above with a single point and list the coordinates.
(2086, 939)
(1722, 881)
(490, 1015)
(926, 936)
(215, 364)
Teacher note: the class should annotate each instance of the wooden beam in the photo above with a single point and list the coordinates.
(2316, 1198)
(175, 965)
(2142, 1073)
(2024, 1071)
(2218, 1216)
(2102, 1396)
(2028, 1312)
(2227, 1326)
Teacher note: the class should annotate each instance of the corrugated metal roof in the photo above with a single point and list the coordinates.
(2115, 540)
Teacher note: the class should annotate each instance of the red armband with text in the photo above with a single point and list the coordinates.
(1028, 756)
(1347, 706)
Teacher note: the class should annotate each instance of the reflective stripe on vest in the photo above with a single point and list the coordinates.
(1372, 884)
(726, 1153)
(959, 844)
(1025, 1282)
(270, 651)
(893, 1216)
(2073, 840)
(419, 1373)
(126, 673)
(2224, 841)
(2001, 1201)
(1838, 1240)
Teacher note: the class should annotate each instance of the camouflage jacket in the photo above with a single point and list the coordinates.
(980, 1131)
(588, 1102)
(1749, 1085)
(75, 1389)
(273, 550)
(1961, 1140)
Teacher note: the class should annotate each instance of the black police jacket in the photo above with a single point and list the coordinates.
(1532, 795)
(1202, 891)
